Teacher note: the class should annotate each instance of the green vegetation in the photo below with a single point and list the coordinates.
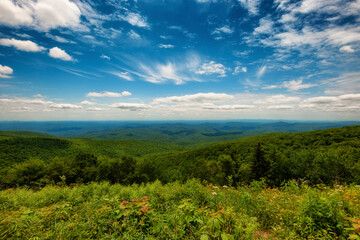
(278, 185)
(16, 147)
(180, 211)
(320, 157)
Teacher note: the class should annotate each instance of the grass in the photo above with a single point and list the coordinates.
(180, 211)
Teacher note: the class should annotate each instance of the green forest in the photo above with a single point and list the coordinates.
(277, 185)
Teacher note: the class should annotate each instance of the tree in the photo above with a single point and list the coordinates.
(261, 165)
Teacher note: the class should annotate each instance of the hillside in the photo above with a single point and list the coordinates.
(188, 134)
(321, 156)
(16, 147)
(328, 157)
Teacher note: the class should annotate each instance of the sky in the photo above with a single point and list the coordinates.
(179, 60)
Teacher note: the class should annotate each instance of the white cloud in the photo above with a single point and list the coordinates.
(39, 96)
(295, 85)
(270, 87)
(133, 35)
(25, 101)
(5, 71)
(56, 52)
(23, 45)
(65, 106)
(346, 83)
(105, 57)
(265, 26)
(15, 14)
(131, 106)
(42, 14)
(108, 94)
(95, 109)
(124, 75)
(52, 14)
(281, 107)
(194, 98)
(135, 19)
(220, 31)
(212, 68)
(347, 49)
(251, 5)
(278, 99)
(166, 46)
(58, 38)
(341, 103)
(239, 69)
(162, 73)
(229, 107)
(261, 71)
(86, 102)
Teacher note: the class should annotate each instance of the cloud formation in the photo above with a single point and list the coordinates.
(131, 106)
(123, 75)
(194, 98)
(58, 53)
(5, 71)
(212, 68)
(42, 15)
(135, 19)
(108, 94)
(23, 45)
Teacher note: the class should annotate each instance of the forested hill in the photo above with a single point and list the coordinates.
(322, 156)
(19, 146)
(319, 157)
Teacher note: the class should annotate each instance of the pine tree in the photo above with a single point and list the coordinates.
(261, 165)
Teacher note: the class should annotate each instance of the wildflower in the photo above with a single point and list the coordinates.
(124, 202)
(144, 198)
(134, 200)
(215, 187)
(213, 193)
(144, 208)
(225, 186)
(220, 208)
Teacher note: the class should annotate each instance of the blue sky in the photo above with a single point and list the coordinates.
(177, 60)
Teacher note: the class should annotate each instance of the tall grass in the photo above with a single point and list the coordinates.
(180, 211)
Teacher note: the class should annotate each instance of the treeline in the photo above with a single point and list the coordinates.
(320, 157)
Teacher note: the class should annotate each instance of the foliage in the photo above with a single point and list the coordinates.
(180, 211)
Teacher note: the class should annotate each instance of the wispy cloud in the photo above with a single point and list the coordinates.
(347, 49)
(221, 31)
(195, 98)
(133, 35)
(293, 85)
(166, 46)
(251, 5)
(108, 94)
(124, 75)
(105, 57)
(261, 71)
(239, 69)
(343, 84)
(135, 19)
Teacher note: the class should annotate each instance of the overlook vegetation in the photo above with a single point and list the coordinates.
(276, 185)
(327, 157)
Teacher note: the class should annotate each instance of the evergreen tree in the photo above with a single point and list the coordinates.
(261, 165)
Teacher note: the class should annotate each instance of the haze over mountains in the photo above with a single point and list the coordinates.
(179, 132)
